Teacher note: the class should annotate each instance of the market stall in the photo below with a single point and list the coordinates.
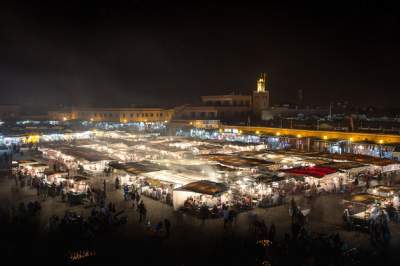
(196, 194)
(76, 188)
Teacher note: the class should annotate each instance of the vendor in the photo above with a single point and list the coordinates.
(396, 201)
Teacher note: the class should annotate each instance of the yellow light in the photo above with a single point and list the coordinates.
(351, 139)
(257, 132)
(380, 141)
(240, 132)
(91, 119)
(325, 137)
(298, 136)
(166, 121)
(221, 130)
(191, 123)
(125, 120)
(64, 118)
(278, 133)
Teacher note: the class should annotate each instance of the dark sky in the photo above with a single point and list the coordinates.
(94, 52)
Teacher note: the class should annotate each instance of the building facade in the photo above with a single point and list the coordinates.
(121, 115)
(9, 111)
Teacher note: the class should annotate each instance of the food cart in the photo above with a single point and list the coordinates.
(77, 189)
(201, 193)
(360, 209)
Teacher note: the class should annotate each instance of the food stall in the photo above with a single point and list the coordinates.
(35, 169)
(77, 187)
(361, 208)
(384, 191)
(199, 193)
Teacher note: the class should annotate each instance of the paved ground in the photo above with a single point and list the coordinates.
(197, 240)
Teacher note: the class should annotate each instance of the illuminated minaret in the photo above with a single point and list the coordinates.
(261, 83)
(261, 95)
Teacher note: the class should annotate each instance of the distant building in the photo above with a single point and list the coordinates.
(229, 106)
(122, 115)
(195, 112)
(239, 107)
(60, 115)
(9, 111)
(287, 111)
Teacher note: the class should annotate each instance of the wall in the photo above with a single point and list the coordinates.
(353, 136)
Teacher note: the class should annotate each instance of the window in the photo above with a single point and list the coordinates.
(161, 114)
(131, 115)
(146, 114)
(151, 115)
(142, 115)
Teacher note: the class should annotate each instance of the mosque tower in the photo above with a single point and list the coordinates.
(261, 95)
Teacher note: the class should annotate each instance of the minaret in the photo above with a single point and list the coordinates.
(261, 95)
(261, 83)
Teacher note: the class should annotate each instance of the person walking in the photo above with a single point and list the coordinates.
(117, 183)
(142, 211)
(272, 233)
(159, 227)
(104, 187)
(226, 216)
(167, 225)
(126, 192)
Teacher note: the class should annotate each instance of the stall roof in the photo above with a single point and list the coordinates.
(137, 167)
(387, 189)
(38, 165)
(357, 158)
(236, 161)
(176, 177)
(27, 161)
(52, 172)
(83, 153)
(79, 178)
(315, 171)
(204, 187)
(343, 165)
(365, 198)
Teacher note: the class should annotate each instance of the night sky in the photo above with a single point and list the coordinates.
(117, 53)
